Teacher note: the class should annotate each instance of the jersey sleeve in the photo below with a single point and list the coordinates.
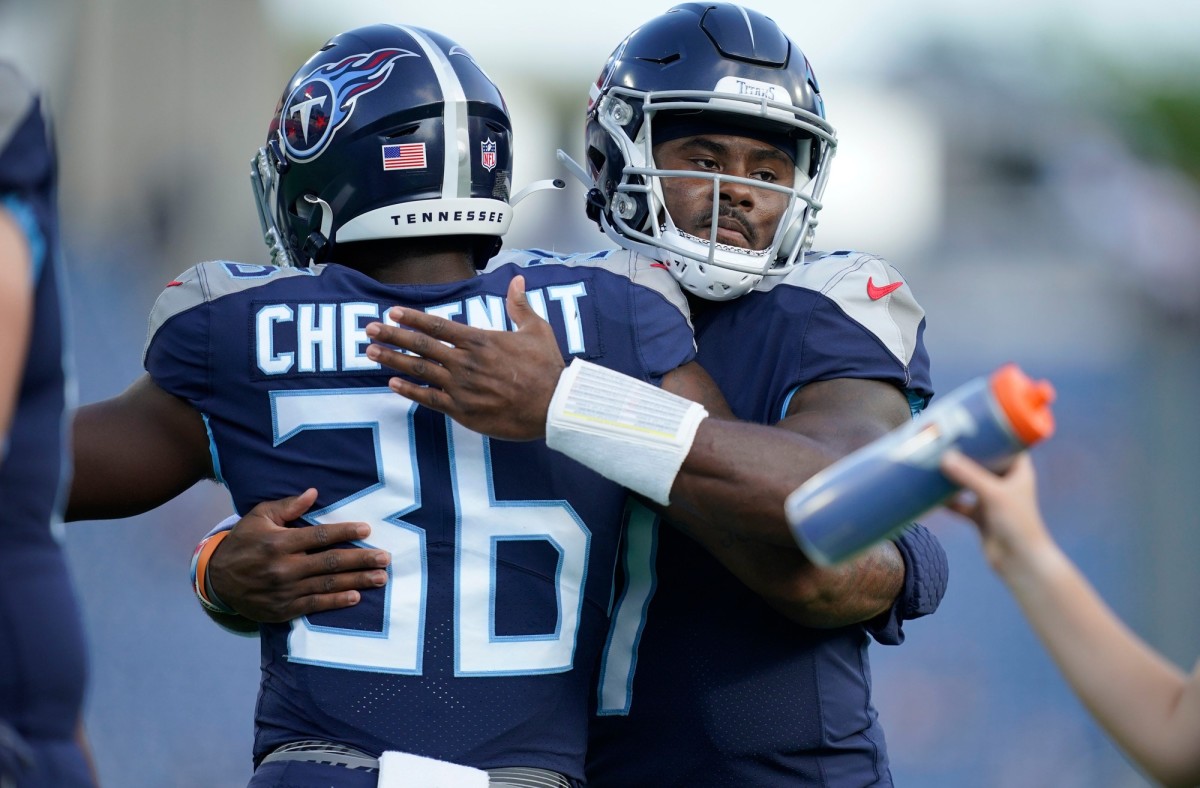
(926, 573)
(177, 352)
(662, 319)
(866, 324)
(870, 305)
(638, 292)
(27, 163)
(27, 157)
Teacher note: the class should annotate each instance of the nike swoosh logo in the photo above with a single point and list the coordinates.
(876, 293)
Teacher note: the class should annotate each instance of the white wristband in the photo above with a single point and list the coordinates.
(626, 430)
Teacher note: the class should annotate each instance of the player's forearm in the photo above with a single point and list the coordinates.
(729, 495)
(1146, 704)
(813, 596)
(737, 476)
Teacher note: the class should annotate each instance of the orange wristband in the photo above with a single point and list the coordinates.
(203, 553)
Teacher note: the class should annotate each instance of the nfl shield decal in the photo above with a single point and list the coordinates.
(487, 150)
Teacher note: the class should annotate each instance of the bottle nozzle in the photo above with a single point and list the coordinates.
(1025, 402)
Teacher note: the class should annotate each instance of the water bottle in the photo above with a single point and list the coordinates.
(882, 487)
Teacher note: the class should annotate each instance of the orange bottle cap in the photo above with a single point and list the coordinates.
(1026, 402)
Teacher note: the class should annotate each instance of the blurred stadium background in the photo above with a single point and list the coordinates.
(1033, 167)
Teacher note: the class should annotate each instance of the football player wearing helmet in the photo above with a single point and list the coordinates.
(707, 151)
(43, 656)
(385, 179)
(701, 78)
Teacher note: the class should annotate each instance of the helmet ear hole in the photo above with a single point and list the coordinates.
(408, 131)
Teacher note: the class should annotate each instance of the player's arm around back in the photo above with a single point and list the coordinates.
(730, 490)
(135, 451)
(731, 487)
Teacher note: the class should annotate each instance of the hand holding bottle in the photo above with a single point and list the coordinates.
(872, 493)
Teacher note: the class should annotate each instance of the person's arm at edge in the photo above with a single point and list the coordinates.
(16, 309)
(86, 747)
(1149, 706)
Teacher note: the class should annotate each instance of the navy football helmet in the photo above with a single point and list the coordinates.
(386, 132)
(711, 65)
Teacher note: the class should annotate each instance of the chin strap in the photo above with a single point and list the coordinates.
(319, 242)
(595, 200)
(537, 186)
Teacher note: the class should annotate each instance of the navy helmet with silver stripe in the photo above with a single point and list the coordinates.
(388, 131)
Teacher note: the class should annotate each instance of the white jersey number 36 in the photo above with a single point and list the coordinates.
(482, 523)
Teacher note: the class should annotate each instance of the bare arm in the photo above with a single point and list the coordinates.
(85, 745)
(730, 491)
(1149, 706)
(134, 452)
(16, 314)
(737, 475)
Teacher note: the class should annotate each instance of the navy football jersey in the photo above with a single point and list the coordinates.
(480, 650)
(699, 670)
(702, 683)
(42, 653)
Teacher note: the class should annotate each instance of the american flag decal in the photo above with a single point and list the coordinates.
(487, 150)
(408, 156)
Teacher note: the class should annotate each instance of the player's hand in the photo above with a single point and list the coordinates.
(264, 571)
(498, 383)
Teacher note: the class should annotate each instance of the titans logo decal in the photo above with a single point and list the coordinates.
(325, 99)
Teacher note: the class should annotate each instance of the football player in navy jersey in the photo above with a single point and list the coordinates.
(706, 679)
(43, 660)
(707, 149)
(385, 180)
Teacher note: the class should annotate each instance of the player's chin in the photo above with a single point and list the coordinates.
(734, 238)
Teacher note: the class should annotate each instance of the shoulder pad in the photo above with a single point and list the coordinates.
(637, 268)
(209, 281)
(868, 289)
